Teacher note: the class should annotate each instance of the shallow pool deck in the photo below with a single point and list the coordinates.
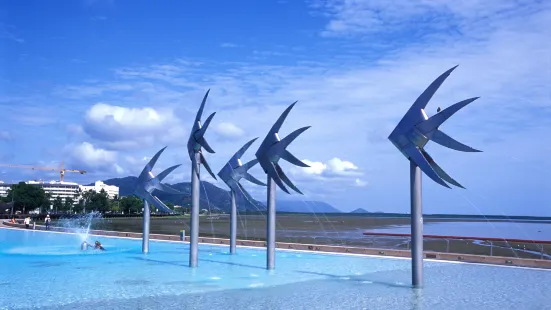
(47, 270)
(452, 257)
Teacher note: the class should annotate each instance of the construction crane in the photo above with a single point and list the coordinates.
(61, 169)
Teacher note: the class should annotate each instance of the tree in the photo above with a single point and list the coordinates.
(114, 204)
(98, 201)
(130, 204)
(79, 207)
(102, 200)
(170, 205)
(27, 196)
(115, 207)
(58, 204)
(68, 204)
(86, 196)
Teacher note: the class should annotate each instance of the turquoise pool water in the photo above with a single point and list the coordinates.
(47, 270)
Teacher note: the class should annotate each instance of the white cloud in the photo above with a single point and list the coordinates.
(91, 90)
(8, 32)
(229, 45)
(360, 183)
(316, 167)
(106, 118)
(334, 168)
(118, 127)
(341, 167)
(120, 170)
(87, 153)
(356, 17)
(136, 161)
(229, 130)
(95, 160)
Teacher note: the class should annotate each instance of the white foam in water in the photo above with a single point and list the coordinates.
(81, 224)
(62, 250)
(52, 250)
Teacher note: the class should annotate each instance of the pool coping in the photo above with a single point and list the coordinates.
(327, 249)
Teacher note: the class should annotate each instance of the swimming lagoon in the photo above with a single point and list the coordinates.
(47, 270)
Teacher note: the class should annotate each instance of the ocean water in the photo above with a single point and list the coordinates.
(46, 270)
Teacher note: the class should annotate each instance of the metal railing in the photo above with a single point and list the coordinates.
(521, 248)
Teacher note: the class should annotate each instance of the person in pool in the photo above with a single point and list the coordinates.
(97, 246)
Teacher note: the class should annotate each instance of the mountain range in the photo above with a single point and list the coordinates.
(304, 206)
(360, 210)
(215, 198)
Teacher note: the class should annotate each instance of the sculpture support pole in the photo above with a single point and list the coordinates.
(416, 226)
(146, 221)
(194, 220)
(233, 223)
(271, 227)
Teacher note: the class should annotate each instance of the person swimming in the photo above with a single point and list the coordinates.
(97, 246)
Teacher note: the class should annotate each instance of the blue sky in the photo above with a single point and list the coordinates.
(104, 84)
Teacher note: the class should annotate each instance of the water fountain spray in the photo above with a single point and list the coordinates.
(231, 174)
(269, 153)
(194, 145)
(80, 224)
(410, 136)
(146, 184)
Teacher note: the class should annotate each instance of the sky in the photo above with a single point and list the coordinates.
(103, 84)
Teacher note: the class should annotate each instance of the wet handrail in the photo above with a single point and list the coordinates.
(458, 238)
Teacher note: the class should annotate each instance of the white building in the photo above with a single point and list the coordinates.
(55, 188)
(59, 189)
(65, 189)
(111, 190)
(4, 189)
